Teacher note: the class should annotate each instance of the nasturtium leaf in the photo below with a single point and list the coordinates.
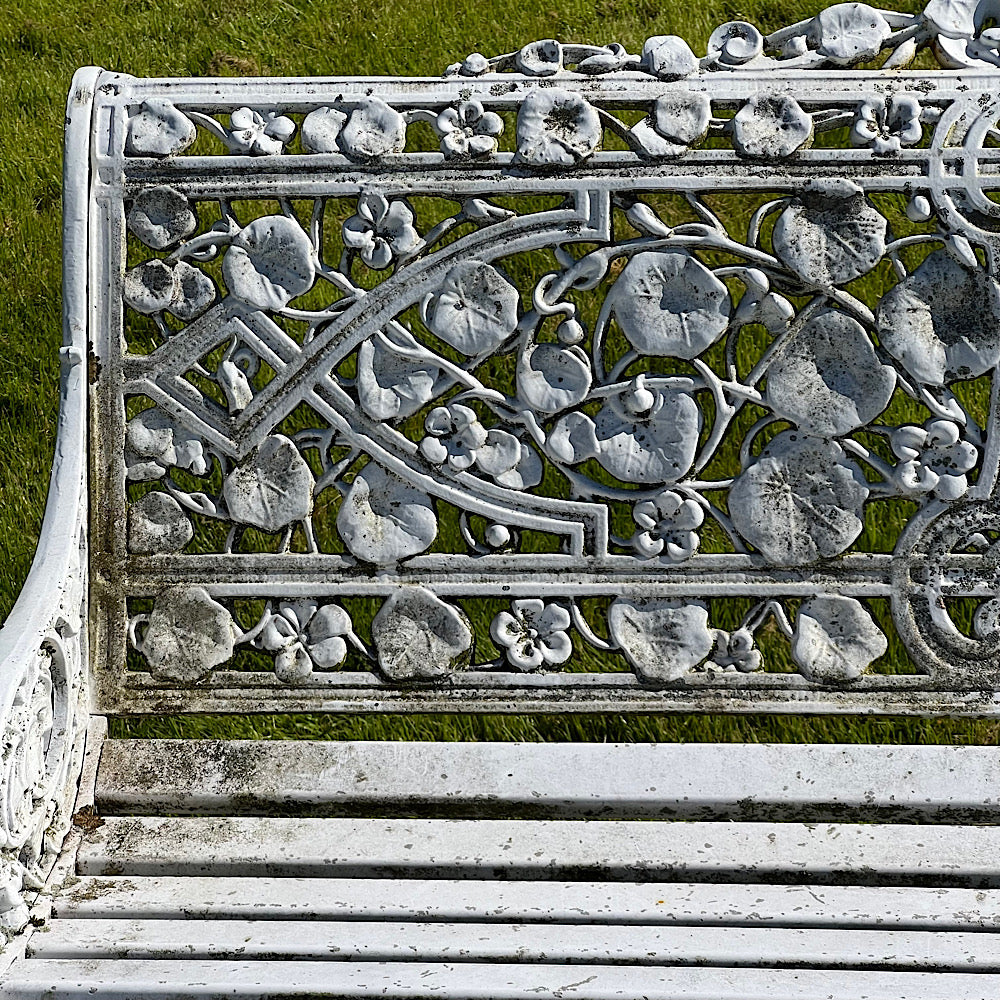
(272, 488)
(830, 234)
(156, 523)
(419, 637)
(668, 304)
(661, 639)
(391, 385)
(188, 635)
(158, 129)
(475, 309)
(801, 500)
(654, 447)
(835, 639)
(383, 519)
(552, 377)
(850, 32)
(269, 263)
(942, 321)
(769, 127)
(830, 381)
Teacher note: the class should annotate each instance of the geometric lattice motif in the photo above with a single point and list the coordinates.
(574, 378)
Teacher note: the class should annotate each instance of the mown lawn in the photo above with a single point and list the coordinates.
(40, 46)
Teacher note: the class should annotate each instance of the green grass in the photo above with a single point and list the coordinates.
(40, 46)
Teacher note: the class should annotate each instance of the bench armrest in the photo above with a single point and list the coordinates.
(43, 643)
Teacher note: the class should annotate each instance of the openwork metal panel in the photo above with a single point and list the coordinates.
(571, 380)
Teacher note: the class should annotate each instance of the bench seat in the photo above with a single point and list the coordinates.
(365, 882)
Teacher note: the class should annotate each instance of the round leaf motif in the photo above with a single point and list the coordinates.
(161, 216)
(669, 304)
(321, 130)
(556, 128)
(802, 500)
(942, 321)
(269, 263)
(390, 385)
(418, 637)
(273, 488)
(159, 129)
(188, 635)
(373, 130)
(830, 381)
(552, 378)
(475, 309)
(769, 127)
(851, 32)
(652, 447)
(831, 234)
(156, 523)
(383, 519)
(835, 639)
(662, 640)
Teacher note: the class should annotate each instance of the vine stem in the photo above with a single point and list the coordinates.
(583, 627)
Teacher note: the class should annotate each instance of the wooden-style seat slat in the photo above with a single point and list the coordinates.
(613, 850)
(119, 979)
(776, 782)
(386, 941)
(649, 903)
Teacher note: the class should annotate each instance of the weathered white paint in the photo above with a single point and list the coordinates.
(757, 781)
(70, 979)
(608, 849)
(97, 897)
(577, 944)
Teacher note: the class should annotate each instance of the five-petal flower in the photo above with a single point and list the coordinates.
(885, 125)
(535, 634)
(381, 230)
(468, 130)
(259, 134)
(933, 459)
(303, 635)
(667, 526)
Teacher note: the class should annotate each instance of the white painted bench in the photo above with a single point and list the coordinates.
(571, 381)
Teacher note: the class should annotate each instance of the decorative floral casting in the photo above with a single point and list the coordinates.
(886, 125)
(468, 130)
(532, 634)
(667, 526)
(678, 395)
(381, 231)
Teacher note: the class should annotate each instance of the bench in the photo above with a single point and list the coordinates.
(571, 381)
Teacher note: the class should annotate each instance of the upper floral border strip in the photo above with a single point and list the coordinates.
(960, 32)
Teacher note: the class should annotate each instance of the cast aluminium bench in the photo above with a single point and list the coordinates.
(571, 381)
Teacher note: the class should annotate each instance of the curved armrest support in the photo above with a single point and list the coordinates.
(43, 643)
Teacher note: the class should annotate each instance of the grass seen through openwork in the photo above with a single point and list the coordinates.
(40, 46)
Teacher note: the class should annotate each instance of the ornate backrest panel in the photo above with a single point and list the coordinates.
(571, 380)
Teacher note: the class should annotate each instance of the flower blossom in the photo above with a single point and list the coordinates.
(885, 125)
(381, 231)
(534, 634)
(303, 634)
(933, 459)
(259, 134)
(468, 130)
(736, 649)
(457, 439)
(667, 526)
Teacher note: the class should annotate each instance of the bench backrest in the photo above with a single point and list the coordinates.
(572, 380)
